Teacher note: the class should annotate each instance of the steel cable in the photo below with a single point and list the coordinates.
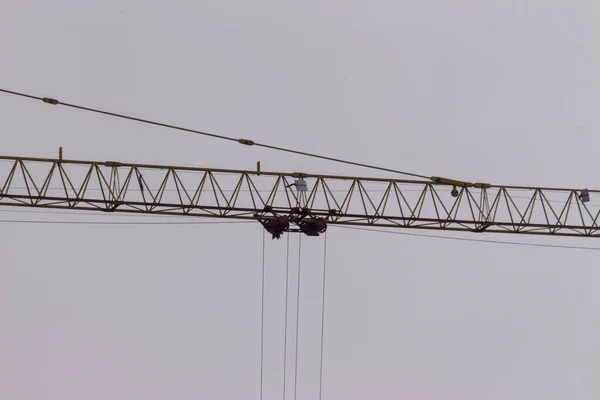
(246, 142)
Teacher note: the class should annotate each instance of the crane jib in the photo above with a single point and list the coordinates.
(296, 202)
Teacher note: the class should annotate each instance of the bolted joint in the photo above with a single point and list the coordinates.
(247, 142)
(50, 100)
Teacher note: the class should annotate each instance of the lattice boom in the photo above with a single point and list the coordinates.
(274, 196)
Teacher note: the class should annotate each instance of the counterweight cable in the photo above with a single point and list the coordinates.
(285, 330)
(297, 318)
(323, 315)
(246, 142)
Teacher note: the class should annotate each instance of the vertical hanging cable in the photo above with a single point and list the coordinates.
(287, 273)
(323, 317)
(297, 318)
(262, 318)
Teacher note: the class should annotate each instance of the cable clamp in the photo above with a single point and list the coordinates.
(50, 100)
(246, 142)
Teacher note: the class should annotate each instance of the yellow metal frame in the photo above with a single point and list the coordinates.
(439, 204)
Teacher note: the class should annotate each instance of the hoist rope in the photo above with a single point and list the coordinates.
(323, 316)
(262, 318)
(287, 273)
(297, 318)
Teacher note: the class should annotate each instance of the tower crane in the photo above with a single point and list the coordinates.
(292, 201)
(302, 202)
(296, 201)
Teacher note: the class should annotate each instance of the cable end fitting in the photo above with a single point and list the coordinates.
(246, 142)
(50, 101)
(446, 181)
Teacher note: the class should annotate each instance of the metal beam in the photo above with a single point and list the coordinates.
(345, 200)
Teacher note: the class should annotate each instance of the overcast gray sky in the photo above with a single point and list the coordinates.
(498, 91)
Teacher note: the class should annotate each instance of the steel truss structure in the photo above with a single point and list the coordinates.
(295, 201)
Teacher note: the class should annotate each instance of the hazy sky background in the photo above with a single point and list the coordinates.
(498, 91)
